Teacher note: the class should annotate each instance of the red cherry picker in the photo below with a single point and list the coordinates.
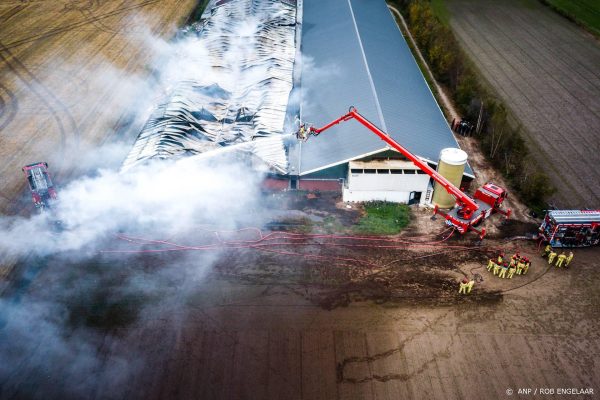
(469, 212)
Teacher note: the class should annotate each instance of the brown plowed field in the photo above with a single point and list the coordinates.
(546, 70)
(263, 326)
(66, 69)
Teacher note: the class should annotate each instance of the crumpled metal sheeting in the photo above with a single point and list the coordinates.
(251, 48)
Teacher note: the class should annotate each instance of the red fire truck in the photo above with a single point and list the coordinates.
(571, 228)
(40, 184)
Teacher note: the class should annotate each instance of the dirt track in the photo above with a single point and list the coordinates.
(546, 70)
(65, 78)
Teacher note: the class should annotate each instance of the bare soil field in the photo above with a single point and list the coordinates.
(318, 319)
(67, 78)
(546, 70)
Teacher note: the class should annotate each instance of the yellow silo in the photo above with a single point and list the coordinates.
(451, 166)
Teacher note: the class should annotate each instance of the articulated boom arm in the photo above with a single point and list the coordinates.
(461, 197)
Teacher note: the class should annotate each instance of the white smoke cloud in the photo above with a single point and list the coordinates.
(164, 196)
(53, 329)
(43, 335)
(314, 75)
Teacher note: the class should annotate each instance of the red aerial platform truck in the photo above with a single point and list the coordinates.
(468, 213)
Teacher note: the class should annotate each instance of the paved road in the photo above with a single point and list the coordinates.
(546, 70)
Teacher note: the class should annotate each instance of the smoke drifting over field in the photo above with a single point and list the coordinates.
(166, 196)
(169, 194)
(54, 328)
(72, 299)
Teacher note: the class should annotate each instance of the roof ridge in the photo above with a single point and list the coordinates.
(371, 82)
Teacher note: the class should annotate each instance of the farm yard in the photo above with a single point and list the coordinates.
(546, 70)
(66, 71)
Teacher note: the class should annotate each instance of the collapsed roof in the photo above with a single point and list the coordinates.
(249, 48)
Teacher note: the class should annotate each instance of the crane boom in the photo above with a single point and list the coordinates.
(461, 197)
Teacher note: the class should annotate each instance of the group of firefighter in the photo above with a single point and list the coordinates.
(517, 265)
(560, 260)
(503, 269)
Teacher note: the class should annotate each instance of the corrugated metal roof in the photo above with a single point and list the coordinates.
(357, 56)
(574, 216)
(232, 89)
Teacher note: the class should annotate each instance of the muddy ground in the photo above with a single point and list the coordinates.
(318, 319)
(545, 68)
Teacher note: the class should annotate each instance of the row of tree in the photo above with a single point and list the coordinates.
(501, 140)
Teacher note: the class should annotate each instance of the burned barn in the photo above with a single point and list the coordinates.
(274, 63)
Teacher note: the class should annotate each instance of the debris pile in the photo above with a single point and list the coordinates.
(234, 89)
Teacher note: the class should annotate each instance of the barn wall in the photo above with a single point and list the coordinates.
(376, 195)
(321, 185)
(275, 184)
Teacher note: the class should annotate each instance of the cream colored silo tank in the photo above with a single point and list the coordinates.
(451, 166)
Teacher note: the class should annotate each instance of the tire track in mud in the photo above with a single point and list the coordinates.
(78, 24)
(5, 17)
(85, 8)
(87, 11)
(66, 124)
(341, 366)
(9, 106)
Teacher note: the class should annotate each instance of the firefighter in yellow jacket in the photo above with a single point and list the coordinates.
(551, 257)
(511, 272)
(547, 251)
(527, 265)
(464, 284)
(569, 258)
(496, 269)
(520, 266)
(470, 286)
(503, 271)
(561, 259)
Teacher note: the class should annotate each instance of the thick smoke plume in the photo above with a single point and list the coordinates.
(73, 301)
(162, 196)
